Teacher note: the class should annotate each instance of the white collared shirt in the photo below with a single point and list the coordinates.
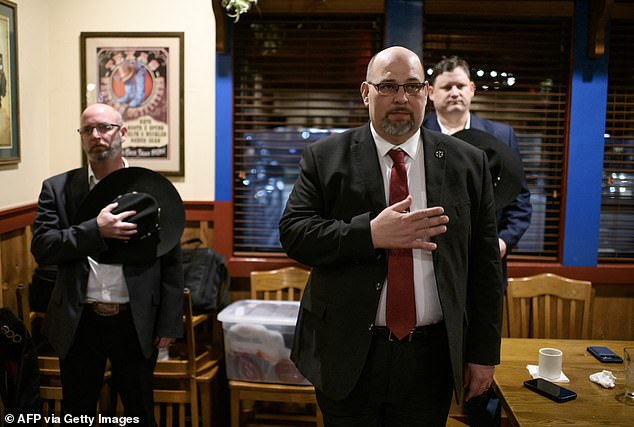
(447, 131)
(428, 308)
(106, 282)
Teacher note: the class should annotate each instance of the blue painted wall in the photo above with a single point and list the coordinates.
(224, 127)
(589, 89)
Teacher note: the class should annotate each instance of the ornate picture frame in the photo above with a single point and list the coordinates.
(9, 99)
(141, 75)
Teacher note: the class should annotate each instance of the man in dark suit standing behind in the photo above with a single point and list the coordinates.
(344, 219)
(451, 90)
(102, 310)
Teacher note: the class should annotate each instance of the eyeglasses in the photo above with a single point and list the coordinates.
(102, 128)
(390, 89)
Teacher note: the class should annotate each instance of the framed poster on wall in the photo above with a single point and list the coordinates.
(140, 75)
(9, 112)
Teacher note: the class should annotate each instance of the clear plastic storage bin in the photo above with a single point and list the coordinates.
(258, 337)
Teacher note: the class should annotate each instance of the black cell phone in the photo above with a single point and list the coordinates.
(550, 390)
(604, 354)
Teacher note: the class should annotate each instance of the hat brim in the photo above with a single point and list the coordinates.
(141, 180)
(505, 165)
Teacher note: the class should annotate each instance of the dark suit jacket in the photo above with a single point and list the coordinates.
(326, 224)
(156, 289)
(514, 219)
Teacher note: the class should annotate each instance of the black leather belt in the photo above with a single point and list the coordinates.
(107, 308)
(417, 334)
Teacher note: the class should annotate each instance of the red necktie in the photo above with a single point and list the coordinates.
(401, 307)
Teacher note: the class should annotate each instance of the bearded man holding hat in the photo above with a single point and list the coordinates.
(114, 233)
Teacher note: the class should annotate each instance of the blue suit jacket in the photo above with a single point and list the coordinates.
(156, 289)
(514, 219)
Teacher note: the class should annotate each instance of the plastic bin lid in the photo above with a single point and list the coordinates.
(261, 312)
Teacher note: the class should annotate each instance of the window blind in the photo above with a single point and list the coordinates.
(521, 70)
(616, 229)
(296, 79)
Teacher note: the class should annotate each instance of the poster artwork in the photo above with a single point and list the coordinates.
(6, 137)
(134, 81)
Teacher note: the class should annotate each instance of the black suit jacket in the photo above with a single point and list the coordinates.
(514, 219)
(156, 289)
(326, 224)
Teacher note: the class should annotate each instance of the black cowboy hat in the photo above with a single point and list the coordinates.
(505, 165)
(160, 215)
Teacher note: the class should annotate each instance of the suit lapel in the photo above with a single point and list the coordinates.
(435, 163)
(76, 191)
(367, 168)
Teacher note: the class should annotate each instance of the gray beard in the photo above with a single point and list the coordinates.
(109, 154)
(397, 128)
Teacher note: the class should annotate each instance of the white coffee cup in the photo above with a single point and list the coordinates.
(550, 363)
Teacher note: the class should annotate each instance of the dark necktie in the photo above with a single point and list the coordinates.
(401, 307)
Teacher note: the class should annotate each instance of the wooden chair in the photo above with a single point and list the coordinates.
(286, 284)
(452, 422)
(282, 284)
(183, 384)
(48, 364)
(549, 306)
(24, 311)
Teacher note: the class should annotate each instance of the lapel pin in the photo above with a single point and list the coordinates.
(439, 154)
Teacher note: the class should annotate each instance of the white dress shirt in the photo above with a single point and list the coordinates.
(447, 131)
(106, 282)
(428, 308)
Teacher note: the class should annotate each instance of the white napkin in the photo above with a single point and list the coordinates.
(604, 378)
(534, 371)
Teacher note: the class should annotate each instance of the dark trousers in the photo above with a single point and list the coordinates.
(99, 339)
(402, 384)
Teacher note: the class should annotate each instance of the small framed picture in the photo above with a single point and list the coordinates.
(9, 111)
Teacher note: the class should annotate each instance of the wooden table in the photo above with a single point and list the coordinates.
(594, 405)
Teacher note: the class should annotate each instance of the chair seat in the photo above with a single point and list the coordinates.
(178, 367)
(255, 391)
(267, 392)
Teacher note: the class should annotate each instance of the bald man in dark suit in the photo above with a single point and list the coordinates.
(338, 220)
(99, 311)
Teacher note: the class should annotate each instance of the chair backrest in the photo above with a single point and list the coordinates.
(549, 306)
(284, 284)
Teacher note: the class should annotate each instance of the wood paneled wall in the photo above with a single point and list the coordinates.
(17, 264)
(612, 316)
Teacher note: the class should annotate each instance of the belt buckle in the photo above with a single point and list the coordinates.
(392, 338)
(105, 309)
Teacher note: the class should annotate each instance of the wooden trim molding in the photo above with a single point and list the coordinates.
(17, 218)
(221, 27)
(199, 211)
(499, 8)
(623, 11)
(599, 12)
(321, 6)
(617, 273)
